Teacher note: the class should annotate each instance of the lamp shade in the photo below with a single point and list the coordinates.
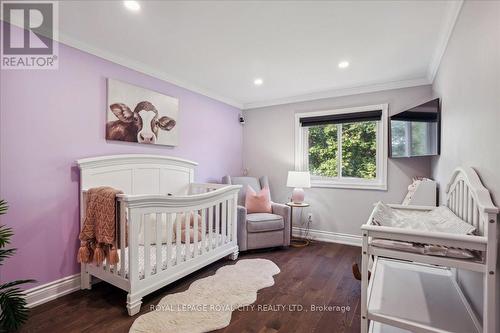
(300, 179)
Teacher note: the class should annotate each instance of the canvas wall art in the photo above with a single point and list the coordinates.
(136, 114)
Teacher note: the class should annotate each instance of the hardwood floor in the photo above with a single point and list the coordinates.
(317, 275)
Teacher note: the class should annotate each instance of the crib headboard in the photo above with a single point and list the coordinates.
(137, 173)
(467, 197)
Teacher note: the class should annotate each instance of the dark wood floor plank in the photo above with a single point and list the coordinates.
(317, 275)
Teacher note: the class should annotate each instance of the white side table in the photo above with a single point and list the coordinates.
(296, 242)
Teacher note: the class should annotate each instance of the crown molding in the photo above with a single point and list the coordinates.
(65, 39)
(339, 92)
(145, 69)
(450, 20)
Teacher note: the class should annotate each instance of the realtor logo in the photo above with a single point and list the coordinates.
(28, 33)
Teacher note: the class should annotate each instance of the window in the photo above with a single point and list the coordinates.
(343, 148)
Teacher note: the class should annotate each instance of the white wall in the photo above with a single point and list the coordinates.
(268, 149)
(468, 82)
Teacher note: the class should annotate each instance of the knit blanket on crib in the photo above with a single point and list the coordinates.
(99, 233)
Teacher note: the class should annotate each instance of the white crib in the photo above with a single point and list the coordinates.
(157, 191)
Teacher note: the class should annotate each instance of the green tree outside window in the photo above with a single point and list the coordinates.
(358, 143)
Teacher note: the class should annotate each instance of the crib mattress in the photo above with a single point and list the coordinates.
(152, 255)
(440, 219)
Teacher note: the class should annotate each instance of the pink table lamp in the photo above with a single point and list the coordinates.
(299, 180)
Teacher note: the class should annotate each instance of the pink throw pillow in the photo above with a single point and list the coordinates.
(181, 218)
(258, 202)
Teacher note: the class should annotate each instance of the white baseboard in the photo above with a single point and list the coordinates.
(52, 290)
(55, 289)
(328, 236)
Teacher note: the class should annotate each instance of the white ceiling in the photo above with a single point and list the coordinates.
(219, 48)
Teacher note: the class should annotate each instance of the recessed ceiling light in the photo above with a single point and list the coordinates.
(343, 64)
(132, 5)
(258, 82)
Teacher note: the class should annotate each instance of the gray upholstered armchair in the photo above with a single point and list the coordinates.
(260, 230)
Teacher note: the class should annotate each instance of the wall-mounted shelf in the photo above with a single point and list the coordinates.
(417, 298)
(376, 327)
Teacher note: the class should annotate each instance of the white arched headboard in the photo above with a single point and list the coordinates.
(137, 173)
(467, 197)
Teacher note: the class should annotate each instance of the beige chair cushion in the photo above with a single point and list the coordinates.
(262, 222)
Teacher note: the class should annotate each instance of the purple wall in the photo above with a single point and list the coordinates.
(50, 118)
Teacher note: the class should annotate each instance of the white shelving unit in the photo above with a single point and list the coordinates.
(376, 327)
(418, 298)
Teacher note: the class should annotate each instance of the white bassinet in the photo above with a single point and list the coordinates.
(413, 291)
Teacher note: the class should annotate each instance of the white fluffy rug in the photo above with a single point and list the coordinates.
(209, 302)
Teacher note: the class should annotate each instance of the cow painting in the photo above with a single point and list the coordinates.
(141, 125)
(136, 114)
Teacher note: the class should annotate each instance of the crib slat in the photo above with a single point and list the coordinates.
(195, 234)
(158, 243)
(115, 266)
(178, 222)
(460, 199)
(229, 219)
(475, 217)
(217, 224)
(452, 201)
(234, 222)
(466, 203)
(136, 219)
(187, 249)
(470, 208)
(170, 233)
(106, 265)
(147, 245)
(464, 200)
(480, 224)
(203, 231)
(455, 199)
(223, 221)
(210, 226)
(123, 243)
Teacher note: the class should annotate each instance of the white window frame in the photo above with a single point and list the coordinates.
(302, 155)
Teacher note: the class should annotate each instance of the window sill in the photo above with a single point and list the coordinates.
(348, 185)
